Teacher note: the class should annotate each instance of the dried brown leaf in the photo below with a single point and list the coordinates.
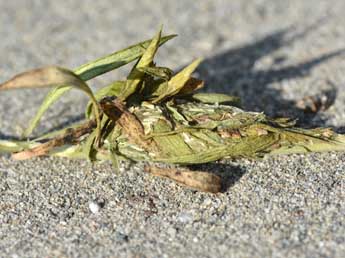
(198, 180)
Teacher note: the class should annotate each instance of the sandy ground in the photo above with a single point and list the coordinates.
(270, 53)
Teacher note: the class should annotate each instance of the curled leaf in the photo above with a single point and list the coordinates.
(91, 70)
(51, 76)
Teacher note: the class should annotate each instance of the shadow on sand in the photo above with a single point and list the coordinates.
(234, 71)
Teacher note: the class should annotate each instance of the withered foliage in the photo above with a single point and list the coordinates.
(156, 116)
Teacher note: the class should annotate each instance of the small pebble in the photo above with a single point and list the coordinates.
(94, 207)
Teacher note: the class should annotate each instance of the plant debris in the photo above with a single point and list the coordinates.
(157, 117)
(318, 102)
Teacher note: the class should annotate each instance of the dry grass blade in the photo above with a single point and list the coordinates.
(198, 180)
(70, 137)
(50, 76)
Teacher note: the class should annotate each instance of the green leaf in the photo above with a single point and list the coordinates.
(114, 155)
(91, 70)
(88, 148)
(135, 77)
(176, 83)
(51, 76)
(211, 98)
(117, 59)
(300, 142)
(191, 85)
(159, 72)
(170, 145)
(7, 146)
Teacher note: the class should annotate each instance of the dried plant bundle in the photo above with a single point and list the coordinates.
(157, 116)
